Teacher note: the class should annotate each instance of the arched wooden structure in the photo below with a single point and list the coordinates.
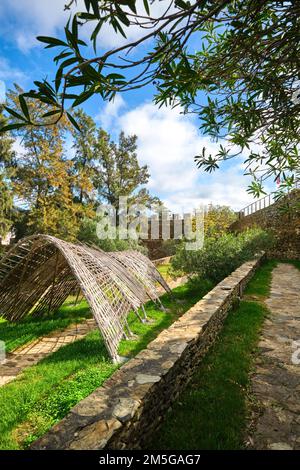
(40, 272)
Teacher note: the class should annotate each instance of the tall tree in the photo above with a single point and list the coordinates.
(247, 63)
(120, 173)
(43, 176)
(84, 167)
(6, 172)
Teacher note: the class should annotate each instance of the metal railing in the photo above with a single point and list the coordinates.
(262, 203)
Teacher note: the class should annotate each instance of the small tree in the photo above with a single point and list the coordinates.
(217, 220)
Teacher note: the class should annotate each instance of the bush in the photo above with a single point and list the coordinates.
(220, 256)
(88, 234)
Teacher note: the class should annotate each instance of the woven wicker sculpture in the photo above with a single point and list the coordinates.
(40, 272)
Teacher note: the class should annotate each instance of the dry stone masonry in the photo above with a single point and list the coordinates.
(129, 407)
(285, 226)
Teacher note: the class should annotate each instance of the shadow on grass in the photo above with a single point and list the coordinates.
(17, 334)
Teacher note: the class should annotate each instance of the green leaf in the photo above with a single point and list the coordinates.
(181, 4)
(131, 5)
(115, 76)
(87, 5)
(90, 72)
(72, 120)
(24, 107)
(58, 78)
(146, 5)
(122, 16)
(68, 62)
(117, 27)
(51, 41)
(83, 97)
(95, 8)
(75, 28)
(45, 90)
(12, 127)
(62, 56)
(95, 34)
(70, 96)
(52, 113)
(86, 16)
(74, 81)
(14, 113)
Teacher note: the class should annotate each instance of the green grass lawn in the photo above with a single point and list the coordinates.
(17, 334)
(44, 393)
(259, 286)
(29, 329)
(212, 412)
(164, 269)
(168, 272)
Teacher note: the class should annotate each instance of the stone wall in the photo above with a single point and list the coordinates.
(129, 407)
(161, 261)
(285, 227)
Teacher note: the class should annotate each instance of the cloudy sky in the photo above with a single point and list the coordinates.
(167, 140)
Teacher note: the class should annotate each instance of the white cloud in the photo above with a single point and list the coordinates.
(2, 91)
(108, 37)
(11, 73)
(47, 17)
(110, 112)
(32, 18)
(168, 142)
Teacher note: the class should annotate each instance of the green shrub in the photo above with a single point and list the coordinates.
(220, 256)
(88, 234)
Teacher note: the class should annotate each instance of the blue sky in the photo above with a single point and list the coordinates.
(167, 140)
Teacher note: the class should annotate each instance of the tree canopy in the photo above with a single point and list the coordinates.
(235, 63)
(6, 171)
(49, 187)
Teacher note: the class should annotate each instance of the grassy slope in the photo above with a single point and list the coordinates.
(211, 413)
(44, 393)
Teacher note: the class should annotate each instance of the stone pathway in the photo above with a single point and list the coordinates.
(276, 382)
(31, 353)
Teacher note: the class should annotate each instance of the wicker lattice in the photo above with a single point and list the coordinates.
(40, 272)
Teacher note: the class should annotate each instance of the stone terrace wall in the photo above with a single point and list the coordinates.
(129, 407)
(160, 261)
(285, 229)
